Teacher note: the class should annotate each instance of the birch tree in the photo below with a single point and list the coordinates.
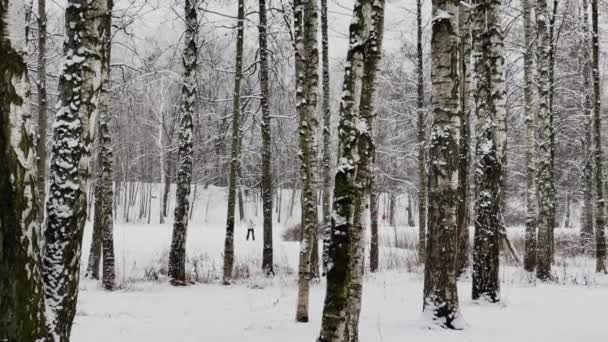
(42, 106)
(21, 287)
(342, 306)
(267, 253)
(530, 114)
(440, 292)
(307, 62)
(326, 111)
(177, 254)
(489, 98)
(421, 135)
(544, 175)
(600, 238)
(73, 131)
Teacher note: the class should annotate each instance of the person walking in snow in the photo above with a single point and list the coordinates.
(251, 230)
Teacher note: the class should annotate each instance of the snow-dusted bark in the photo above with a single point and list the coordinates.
(465, 138)
(489, 105)
(21, 289)
(42, 107)
(353, 177)
(440, 292)
(177, 255)
(326, 111)
(421, 135)
(374, 243)
(267, 253)
(600, 238)
(530, 115)
(236, 131)
(306, 22)
(73, 131)
(544, 175)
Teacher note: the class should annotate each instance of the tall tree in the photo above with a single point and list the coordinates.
(465, 137)
(42, 106)
(421, 135)
(267, 257)
(353, 177)
(69, 168)
(440, 292)
(530, 114)
(489, 102)
(177, 255)
(326, 110)
(307, 62)
(600, 238)
(544, 172)
(21, 288)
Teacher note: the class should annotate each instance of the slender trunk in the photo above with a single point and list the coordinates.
(267, 252)
(67, 202)
(95, 250)
(236, 130)
(410, 211)
(353, 177)
(552, 148)
(326, 110)
(42, 106)
(600, 238)
(465, 139)
(21, 289)
(440, 292)
(307, 62)
(177, 254)
(421, 136)
(530, 114)
(489, 108)
(373, 250)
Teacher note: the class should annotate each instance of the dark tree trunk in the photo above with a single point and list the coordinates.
(374, 248)
(421, 136)
(326, 110)
(42, 107)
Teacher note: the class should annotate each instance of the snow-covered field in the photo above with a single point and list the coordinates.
(147, 309)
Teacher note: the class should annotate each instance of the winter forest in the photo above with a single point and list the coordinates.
(303, 170)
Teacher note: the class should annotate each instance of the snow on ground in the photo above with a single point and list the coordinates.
(257, 309)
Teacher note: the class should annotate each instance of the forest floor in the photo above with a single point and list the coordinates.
(146, 308)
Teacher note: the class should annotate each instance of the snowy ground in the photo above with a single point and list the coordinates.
(256, 309)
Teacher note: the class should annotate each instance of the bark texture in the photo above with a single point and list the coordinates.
(421, 135)
(353, 177)
(326, 111)
(177, 254)
(42, 107)
(489, 108)
(440, 292)
(73, 131)
(21, 288)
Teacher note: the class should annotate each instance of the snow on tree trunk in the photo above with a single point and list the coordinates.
(600, 238)
(544, 172)
(267, 253)
(440, 292)
(353, 177)
(489, 100)
(307, 62)
(104, 154)
(73, 131)
(42, 107)
(326, 110)
(21, 288)
(530, 117)
(465, 139)
(421, 136)
(177, 254)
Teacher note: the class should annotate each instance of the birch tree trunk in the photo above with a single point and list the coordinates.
(489, 108)
(307, 62)
(544, 173)
(465, 139)
(177, 254)
(73, 131)
(421, 135)
(600, 238)
(440, 292)
(353, 177)
(21, 288)
(326, 110)
(374, 248)
(42, 107)
(585, 67)
(530, 114)
(95, 250)
(267, 253)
